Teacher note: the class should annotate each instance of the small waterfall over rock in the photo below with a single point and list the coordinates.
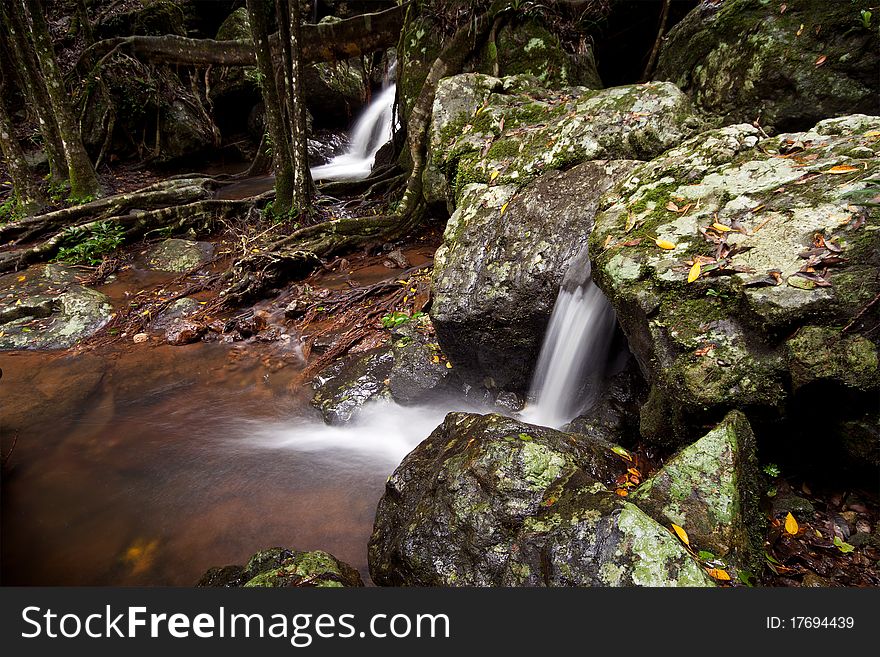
(371, 131)
(575, 349)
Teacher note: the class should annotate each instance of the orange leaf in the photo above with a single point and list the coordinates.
(622, 492)
(841, 168)
(695, 271)
(663, 244)
(791, 525)
(672, 207)
(821, 60)
(719, 574)
(681, 533)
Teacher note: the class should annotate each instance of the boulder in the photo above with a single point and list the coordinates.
(176, 310)
(488, 500)
(419, 373)
(177, 255)
(497, 274)
(787, 64)
(344, 387)
(509, 131)
(280, 567)
(777, 238)
(711, 489)
(45, 308)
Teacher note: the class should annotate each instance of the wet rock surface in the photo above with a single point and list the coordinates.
(343, 388)
(281, 567)
(178, 255)
(497, 274)
(488, 500)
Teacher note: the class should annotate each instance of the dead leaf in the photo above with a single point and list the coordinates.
(694, 273)
(840, 169)
(703, 351)
(664, 244)
(607, 242)
(503, 208)
(721, 227)
(718, 573)
(820, 60)
(493, 175)
(800, 30)
(634, 242)
(681, 533)
(622, 492)
(630, 222)
(672, 207)
(791, 525)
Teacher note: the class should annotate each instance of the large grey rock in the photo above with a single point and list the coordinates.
(45, 308)
(484, 499)
(497, 274)
(748, 339)
(787, 64)
(510, 131)
(344, 387)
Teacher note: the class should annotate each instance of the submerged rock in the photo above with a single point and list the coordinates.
(489, 501)
(786, 64)
(44, 308)
(497, 274)
(280, 567)
(711, 489)
(178, 255)
(783, 230)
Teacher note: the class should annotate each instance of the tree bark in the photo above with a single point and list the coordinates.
(352, 37)
(83, 180)
(257, 10)
(302, 176)
(28, 198)
(27, 70)
(655, 51)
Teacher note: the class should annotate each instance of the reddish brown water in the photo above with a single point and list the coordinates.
(149, 464)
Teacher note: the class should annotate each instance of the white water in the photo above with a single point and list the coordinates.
(575, 350)
(379, 437)
(371, 131)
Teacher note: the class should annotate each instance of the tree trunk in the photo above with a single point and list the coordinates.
(302, 177)
(352, 37)
(83, 181)
(257, 10)
(27, 70)
(28, 197)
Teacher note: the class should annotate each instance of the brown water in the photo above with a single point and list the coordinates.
(146, 465)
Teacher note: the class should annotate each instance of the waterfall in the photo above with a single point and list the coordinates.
(371, 131)
(575, 349)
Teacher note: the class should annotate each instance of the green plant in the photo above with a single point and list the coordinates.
(866, 16)
(87, 246)
(772, 469)
(8, 210)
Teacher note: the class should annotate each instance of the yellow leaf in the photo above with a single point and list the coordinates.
(493, 175)
(663, 244)
(721, 227)
(872, 133)
(681, 533)
(21, 278)
(695, 271)
(841, 168)
(504, 207)
(448, 365)
(719, 574)
(791, 525)
(436, 359)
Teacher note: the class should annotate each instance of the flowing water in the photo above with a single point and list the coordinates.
(372, 131)
(575, 349)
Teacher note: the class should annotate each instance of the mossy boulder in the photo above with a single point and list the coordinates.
(45, 308)
(487, 500)
(178, 255)
(503, 258)
(787, 63)
(784, 232)
(510, 131)
(419, 373)
(281, 567)
(236, 26)
(711, 489)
